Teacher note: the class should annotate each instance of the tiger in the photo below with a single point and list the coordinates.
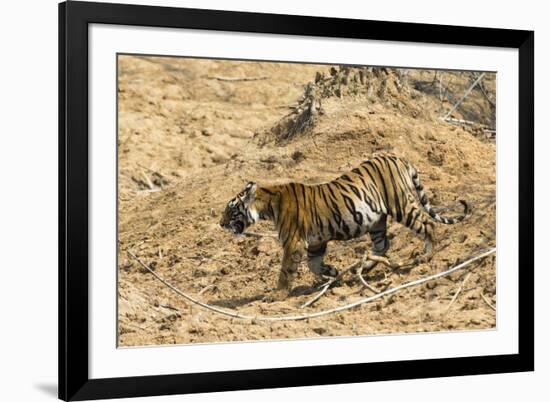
(307, 217)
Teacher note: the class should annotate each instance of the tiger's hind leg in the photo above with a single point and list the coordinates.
(379, 237)
(315, 262)
(420, 222)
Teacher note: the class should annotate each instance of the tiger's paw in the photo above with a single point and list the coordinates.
(329, 270)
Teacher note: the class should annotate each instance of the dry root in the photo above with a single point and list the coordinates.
(319, 313)
(369, 82)
(367, 263)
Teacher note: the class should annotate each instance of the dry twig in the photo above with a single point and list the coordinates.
(324, 287)
(154, 190)
(457, 292)
(148, 181)
(368, 262)
(457, 104)
(156, 175)
(318, 295)
(487, 301)
(150, 170)
(168, 306)
(366, 284)
(465, 122)
(254, 234)
(206, 289)
(484, 91)
(235, 79)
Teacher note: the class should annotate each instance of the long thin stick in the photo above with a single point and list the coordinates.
(328, 284)
(319, 313)
(484, 92)
(458, 292)
(233, 79)
(317, 296)
(169, 307)
(149, 169)
(373, 259)
(441, 87)
(487, 301)
(205, 289)
(366, 284)
(147, 181)
(254, 234)
(366, 259)
(465, 122)
(457, 104)
(185, 295)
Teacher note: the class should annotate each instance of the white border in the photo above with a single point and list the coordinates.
(108, 361)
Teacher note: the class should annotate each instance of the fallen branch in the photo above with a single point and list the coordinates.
(169, 307)
(148, 181)
(318, 295)
(150, 170)
(319, 313)
(487, 301)
(368, 262)
(234, 79)
(484, 91)
(365, 283)
(440, 87)
(486, 129)
(185, 295)
(159, 176)
(324, 287)
(254, 234)
(462, 122)
(206, 289)
(154, 190)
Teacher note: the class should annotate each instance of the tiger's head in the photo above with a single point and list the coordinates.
(239, 212)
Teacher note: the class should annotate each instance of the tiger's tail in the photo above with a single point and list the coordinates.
(426, 203)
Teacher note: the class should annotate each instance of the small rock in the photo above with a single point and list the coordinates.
(431, 285)
(298, 156)
(429, 136)
(319, 330)
(475, 321)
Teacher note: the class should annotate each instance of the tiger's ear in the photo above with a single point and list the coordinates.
(250, 192)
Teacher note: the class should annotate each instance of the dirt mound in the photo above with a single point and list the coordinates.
(190, 140)
(368, 84)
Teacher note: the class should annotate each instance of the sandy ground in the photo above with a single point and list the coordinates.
(188, 142)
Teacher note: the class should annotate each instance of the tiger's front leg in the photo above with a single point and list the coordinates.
(289, 268)
(292, 257)
(315, 255)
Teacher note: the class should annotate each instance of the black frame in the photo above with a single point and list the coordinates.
(74, 17)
